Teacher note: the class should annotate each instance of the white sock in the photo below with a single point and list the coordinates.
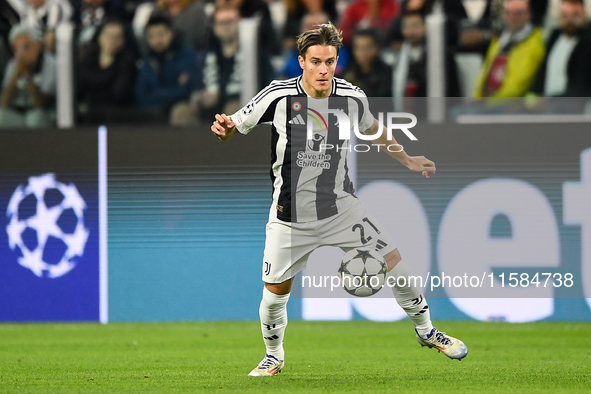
(411, 299)
(273, 314)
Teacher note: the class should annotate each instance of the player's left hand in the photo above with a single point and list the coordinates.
(223, 127)
(423, 165)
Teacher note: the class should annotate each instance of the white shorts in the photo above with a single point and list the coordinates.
(288, 245)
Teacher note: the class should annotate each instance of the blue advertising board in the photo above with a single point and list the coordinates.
(187, 218)
(49, 227)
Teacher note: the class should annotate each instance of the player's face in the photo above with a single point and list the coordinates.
(319, 66)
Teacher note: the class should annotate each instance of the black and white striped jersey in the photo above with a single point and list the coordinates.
(308, 158)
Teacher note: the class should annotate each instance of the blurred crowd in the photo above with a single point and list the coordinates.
(179, 61)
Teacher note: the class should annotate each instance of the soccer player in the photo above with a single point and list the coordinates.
(313, 198)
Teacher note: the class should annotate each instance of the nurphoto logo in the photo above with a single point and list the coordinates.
(317, 127)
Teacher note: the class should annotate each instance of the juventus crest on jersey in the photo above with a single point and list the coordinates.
(308, 159)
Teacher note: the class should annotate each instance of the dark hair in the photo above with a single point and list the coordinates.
(129, 44)
(159, 19)
(225, 7)
(580, 2)
(527, 1)
(418, 13)
(325, 34)
(370, 33)
(113, 21)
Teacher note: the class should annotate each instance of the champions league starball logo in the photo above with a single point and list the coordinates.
(46, 225)
(248, 108)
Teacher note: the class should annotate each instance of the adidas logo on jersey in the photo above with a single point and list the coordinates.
(297, 120)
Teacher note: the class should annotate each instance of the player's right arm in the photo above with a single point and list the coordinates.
(259, 110)
(223, 127)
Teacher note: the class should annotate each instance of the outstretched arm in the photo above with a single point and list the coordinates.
(414, 163)
(223, 127)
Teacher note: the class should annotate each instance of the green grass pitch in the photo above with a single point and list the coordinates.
(337, 357)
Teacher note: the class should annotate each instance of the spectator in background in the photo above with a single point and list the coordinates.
(257, 8)
(513, 59)
(188, 20)
(453, 10)
(476, 36)
(222, 74)
(169, 72)
(364, 14)
(410, 72)
(90, 15)
(292, 67)
(495, 8)
(107, 76)
(296, 10)
(28, 89)
(367, 70)
(43, 15)
(566, 70)
(554, 8)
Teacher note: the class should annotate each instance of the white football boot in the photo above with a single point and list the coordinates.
(450, 346)
(268, 367)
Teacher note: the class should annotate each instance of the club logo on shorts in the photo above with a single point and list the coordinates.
(267, 268)
(248, 108)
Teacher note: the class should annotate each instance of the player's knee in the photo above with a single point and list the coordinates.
(279, 288)
(272, 302)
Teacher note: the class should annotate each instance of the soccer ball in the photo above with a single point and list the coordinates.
(46, 226)
(362, 272)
